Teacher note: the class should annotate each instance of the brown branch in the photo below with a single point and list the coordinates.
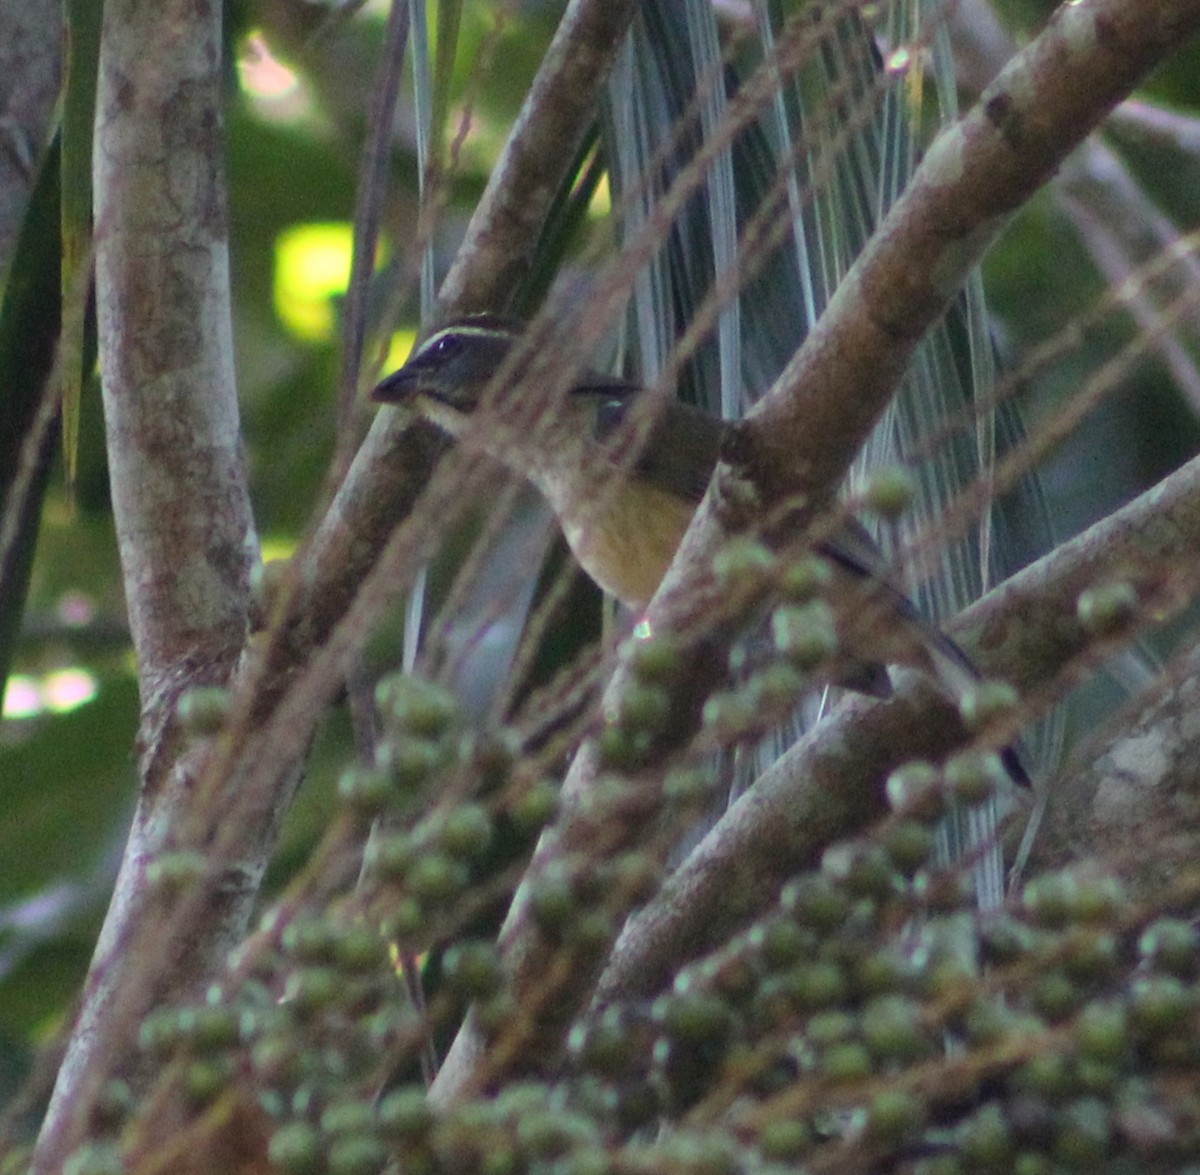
(1116, 220)
(801, 437)
(184, 524)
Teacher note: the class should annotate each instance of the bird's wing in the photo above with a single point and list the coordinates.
(681, 451)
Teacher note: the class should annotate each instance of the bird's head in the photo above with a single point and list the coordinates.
(446, 375)
(622, 467)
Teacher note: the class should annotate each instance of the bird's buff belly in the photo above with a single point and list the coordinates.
(626, 536)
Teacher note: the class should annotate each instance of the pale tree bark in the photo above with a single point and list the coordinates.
(184, 526)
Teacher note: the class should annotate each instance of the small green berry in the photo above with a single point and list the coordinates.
(805, 634)
(785, 1139)
(848, 1061)
(1160, 1004)
(312, 989)
(986, 702)
(909, 845)
(296, 1149)
(1107, 609)
(1052, 900)
(552, 901)
(891, 1029)
(620, 747)
(358, 949)
(368, 790)
(535, 807)
(405, 1114)
(817, 902)
(416, 707)
(1084, 1133)
(437, 878)
(466, 832)
(1046, 1075)
(729, 714)
(915, 790)
(390, 857)
(207, 1029)
(1055, 996)
(205, 1080)
(894, 1115)
(816, 985)
(347, 1117)
(806, 578)
(891, 491)
(645, 707)
(781, 942)
(309, 939)
(744, 563)
(974, 776)
(1171, 945)
(591, 931)
(473, 969)
(1102, 1032)
(411, 762)
(203, 710)
(357, 1154)
(985, 1140)
(657, 660)
(694, 1019)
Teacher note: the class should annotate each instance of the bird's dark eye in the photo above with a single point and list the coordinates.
(445, 347)
(609, 414)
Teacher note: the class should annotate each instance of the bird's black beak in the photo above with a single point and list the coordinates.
(398, 387)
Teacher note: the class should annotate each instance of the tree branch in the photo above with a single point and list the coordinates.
(184, 524)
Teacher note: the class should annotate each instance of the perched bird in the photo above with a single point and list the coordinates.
(624, 520)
